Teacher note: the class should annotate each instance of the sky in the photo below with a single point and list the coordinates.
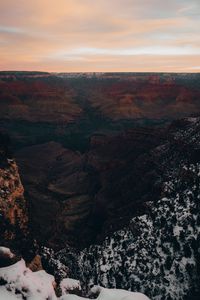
(100, 35)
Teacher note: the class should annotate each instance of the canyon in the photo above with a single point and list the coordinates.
(103, 160)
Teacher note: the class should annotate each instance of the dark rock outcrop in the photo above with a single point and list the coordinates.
(13, 212)
(14, 221)
(157, 252)
(35, 100)
(77, 198)
(59, 187)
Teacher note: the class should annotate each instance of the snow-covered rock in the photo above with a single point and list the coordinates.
(110, 294)
(157, 253)
(19, 282)
(6, 252)
(162, 259)
(116, 294)
(69, 285)
(7, 258)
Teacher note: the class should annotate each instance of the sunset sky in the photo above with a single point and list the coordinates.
(100, 35)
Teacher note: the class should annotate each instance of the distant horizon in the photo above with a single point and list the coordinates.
(107, 72)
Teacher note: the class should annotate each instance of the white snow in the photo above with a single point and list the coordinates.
(6, 295)
(72, 297)
(109, 294)
(22, 282)
(69, 284)
(6, 251)
(193, 119)
(117, 294)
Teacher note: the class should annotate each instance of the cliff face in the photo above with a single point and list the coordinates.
(82, 145)
(135, 98)
(12, 203)
(83, 196)
(157, 252)
(35, 109)
(37, 101)
(59, 188)
(77, 198)
(13, 210)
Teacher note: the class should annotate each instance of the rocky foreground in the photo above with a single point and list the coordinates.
(19, 282)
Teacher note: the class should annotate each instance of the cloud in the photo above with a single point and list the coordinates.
(40, 34)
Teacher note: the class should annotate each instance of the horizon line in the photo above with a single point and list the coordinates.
(104, 72)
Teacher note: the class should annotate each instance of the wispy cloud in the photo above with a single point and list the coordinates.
(12, 30)
(83, 35)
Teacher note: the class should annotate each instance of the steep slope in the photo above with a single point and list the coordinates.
(59, 187)
(36, 108)
(19, 282)
(92, 170)
(36, 100)
(82, 195)
(145, 97)
(158, 252)
(13, 207)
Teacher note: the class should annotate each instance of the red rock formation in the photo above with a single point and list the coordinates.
(37, 101)
(13, 210)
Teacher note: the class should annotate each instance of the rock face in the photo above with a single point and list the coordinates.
(158, 252)
(60, 189)
(145, 97)
(13, 211)
(39, 108)
(7, 258)
(77, 198)
(19, 282)
(12, 200)
(83, 196)
(37, 101)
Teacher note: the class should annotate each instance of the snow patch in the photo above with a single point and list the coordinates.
(68, 284)
(20, 282)
(109, 294)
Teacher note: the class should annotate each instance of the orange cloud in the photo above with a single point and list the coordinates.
(87, 35)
